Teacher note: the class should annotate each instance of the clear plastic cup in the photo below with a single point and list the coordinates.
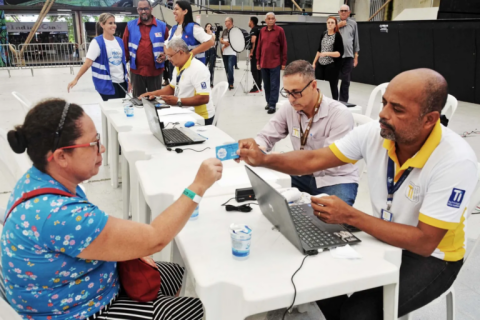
(241, 240)
(195, 213)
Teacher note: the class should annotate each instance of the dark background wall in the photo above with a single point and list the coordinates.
(451, 47)
(459, 9)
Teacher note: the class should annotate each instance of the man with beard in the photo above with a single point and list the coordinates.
(143, 40)
(420, 180)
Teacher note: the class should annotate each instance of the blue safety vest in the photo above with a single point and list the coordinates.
(157, 37)
(101, 68)
(187, 36)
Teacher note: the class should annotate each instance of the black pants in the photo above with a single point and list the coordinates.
(256, 74)
(119, 93)
(422, 280)
(211, 58)
(209, 121)
(329, 73)
(166, 72)
(143, 84)
(345, 72)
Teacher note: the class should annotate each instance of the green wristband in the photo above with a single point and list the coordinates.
(192, 195)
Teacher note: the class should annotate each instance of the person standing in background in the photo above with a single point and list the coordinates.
(143, 40)
(329, 56)
(271, 57)
(229, 55)
(256, 74)
(349, 31)
(211, 55)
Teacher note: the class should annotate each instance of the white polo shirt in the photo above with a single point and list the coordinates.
(436, 192)
(195, 80)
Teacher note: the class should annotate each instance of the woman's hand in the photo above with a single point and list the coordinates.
(71, 85)
(313, 65)
(209, 172)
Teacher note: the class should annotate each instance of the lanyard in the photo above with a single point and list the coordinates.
(391, 186)
(304, 136)
(177, 85)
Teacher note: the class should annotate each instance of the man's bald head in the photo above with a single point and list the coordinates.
(345, 7)
(430, 88)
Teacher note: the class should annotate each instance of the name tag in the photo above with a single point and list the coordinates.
(227, 152)
(158, 34)
(296, 132)
(386, 215)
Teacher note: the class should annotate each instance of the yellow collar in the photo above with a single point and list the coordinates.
(421, 157)
(186, 65)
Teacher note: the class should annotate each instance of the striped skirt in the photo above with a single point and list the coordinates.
(165, 307)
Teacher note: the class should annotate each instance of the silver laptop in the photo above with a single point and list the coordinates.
(297, 222)
(170, 137)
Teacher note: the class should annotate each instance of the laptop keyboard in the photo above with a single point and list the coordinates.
(136, 102)
(175, 136)
(309, 232)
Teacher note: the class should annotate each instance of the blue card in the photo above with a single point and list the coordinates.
(227, 152)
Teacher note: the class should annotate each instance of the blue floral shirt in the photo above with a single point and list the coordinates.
(40, 243)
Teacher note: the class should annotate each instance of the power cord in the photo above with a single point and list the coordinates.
(243, 208)
(294, 288)
(468, 133)
(178, 150)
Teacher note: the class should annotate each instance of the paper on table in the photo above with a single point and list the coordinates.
(173, 110)
(345, 252)
(238, 176)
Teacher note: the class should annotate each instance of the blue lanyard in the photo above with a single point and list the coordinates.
(391, 186)
(179, 76)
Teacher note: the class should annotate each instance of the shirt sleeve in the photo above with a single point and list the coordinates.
(258, 44)
(126, 35)
(202, 83)
(72, 225)
(93, 50)
(349, 149)
(200, 34)
(283, 42)
(275, 130)
(448, 194)
(173, 82)
(356, 41)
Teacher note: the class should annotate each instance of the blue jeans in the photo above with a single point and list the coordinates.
(229, 62)
(271, 85)
(345, 191)
(211, 57)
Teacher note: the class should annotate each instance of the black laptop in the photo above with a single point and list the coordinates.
(297, 222)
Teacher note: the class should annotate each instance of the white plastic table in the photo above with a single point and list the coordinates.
(232, 289)
(114, 121)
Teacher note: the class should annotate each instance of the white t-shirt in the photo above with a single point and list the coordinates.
(114, 53)
(198, 33)
(437, 191)
(195, 80)
(228, 50)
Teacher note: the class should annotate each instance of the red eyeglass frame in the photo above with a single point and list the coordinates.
(85, 145)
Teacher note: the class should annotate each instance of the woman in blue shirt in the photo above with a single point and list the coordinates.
(59, 253)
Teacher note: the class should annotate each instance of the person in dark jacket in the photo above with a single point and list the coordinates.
(328, 60)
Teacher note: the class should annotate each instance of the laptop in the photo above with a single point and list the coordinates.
(134, 101)
(347, 104)
(297, 222)
(171, 137)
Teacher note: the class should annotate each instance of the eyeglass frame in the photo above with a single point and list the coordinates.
(343, 10)
(292, 93)
(169, 57)
(144, 9)
(83, 145)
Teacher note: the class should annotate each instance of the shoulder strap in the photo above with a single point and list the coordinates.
(35, 193)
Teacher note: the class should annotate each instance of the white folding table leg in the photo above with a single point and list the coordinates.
(114, 156)
(390, 301)
(125, 187)
(105, 138)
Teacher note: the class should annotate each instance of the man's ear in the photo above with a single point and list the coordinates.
(431, 119)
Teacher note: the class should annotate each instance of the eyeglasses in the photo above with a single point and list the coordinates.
(143, 9)
(170, 57)
(296, 95)
(85, 145)
(343, 10)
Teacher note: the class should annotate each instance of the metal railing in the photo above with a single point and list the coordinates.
(277, 6)
(41, 55)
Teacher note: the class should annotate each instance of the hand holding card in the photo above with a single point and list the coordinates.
(227, 152)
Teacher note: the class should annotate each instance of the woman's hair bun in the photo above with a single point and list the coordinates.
(17, 140)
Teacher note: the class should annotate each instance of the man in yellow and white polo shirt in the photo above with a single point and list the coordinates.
(190, 85)
(421, 176)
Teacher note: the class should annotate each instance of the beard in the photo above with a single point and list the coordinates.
(144, 17)
(388, 133)
(406, 137)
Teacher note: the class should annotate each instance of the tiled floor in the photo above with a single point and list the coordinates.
(241, 116)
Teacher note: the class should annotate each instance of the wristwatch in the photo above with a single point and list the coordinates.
(179, 102)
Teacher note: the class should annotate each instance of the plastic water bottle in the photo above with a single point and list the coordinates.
(129, 110)
(125, 106)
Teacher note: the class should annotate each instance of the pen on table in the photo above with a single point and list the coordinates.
(202, 136)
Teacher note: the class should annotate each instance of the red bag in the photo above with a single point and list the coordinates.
(140, 280)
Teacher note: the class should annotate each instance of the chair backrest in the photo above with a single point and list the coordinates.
(450, 107)
(217, 94)
(24, 102)
(373, 106)
(359, 120)
(475, 198)
(12, 165)
(7, 312)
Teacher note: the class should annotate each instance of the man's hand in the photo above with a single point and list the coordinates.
(331, 209)
(130, 88)
(342, 24)
(148, 95)
(258, 67)
(170, 100)
(250, 56)
(355, 62)
(283, 67)
(249, 151)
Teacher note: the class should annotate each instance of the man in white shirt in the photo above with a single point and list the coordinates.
(229, 56)
(190, 82)
(420, 179)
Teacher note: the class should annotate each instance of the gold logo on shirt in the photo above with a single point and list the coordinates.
(412, 192)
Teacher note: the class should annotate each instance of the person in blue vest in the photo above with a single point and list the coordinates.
(106, 57)
(143, 40)
(197, 40)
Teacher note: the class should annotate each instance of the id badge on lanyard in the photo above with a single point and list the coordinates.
(392, 187)
(177, 84)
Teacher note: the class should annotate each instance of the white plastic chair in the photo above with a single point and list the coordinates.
(360, 119)
(450, 293)
(217, 94)
(373, 111)
(24, 102)
(12, 165)
(450, 107)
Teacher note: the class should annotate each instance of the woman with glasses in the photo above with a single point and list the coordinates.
(211, 54)
(106, 57)
(328, 61)
(60, 252)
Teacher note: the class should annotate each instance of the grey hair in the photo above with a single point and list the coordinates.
(177, 44)
(301, 67)
(270, 13)
(229, 18)
(345, 5)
